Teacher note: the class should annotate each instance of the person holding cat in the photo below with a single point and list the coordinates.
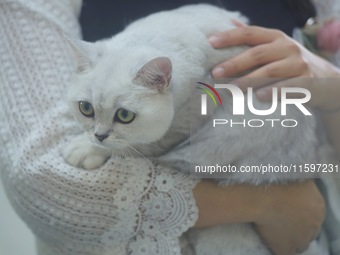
(287, 225)
(284, 15)
(276, 55)
(293, 61)
(227, 74)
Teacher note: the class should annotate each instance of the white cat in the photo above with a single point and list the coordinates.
(134, 89)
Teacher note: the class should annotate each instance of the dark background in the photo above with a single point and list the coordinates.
(103, 18)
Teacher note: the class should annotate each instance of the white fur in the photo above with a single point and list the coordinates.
(106, 71)
(106, 77)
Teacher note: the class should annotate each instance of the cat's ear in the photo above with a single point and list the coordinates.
(85, 54)
(155, 74)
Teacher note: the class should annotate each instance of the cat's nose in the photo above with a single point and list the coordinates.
(101, 137)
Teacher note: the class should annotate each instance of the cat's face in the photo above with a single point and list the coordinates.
(120, 104)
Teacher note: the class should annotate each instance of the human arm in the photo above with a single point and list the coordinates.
(287, 225)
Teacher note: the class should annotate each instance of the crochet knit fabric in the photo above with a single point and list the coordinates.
(125, 207)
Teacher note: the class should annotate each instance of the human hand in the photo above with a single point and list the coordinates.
(291, 217)
(287, 217)
(275, 55)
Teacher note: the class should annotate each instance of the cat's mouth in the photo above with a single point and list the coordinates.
(114, 144)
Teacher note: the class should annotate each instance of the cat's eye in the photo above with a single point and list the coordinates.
(124, 116)
(86, 109)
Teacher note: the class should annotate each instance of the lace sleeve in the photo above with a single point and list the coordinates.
(127, 206)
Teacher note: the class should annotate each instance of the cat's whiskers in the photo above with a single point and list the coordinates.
(130, 156)
(150, 147)
(123, 151)
(139, 153)
(122, 154)
(121, 143)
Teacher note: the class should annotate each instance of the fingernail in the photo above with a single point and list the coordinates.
(214, 39)
(263, 94)
(218, 72)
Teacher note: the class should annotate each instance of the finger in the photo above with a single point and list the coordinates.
(251, 58)
(304, 82)
(281, 69)
(266, 93)
(301, 244)
(238, 23)
(266, 83)
(302, 249)
(249, 35)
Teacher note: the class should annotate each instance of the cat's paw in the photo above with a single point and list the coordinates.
(82, 153)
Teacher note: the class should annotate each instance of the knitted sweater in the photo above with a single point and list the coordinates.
(125, 207)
